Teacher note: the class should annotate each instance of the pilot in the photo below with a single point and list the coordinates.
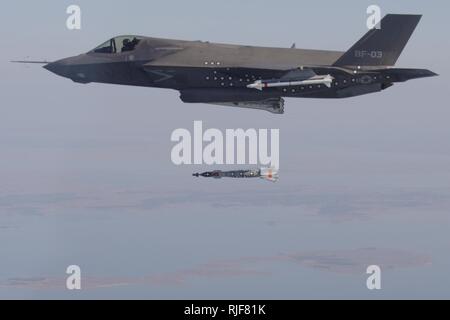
(135, 42)
(127, 45)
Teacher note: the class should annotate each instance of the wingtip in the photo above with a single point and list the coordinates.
(430, 73)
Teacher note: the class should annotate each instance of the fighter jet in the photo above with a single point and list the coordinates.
(270, 174)
(248, 76)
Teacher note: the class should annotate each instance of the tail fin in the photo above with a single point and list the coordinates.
(381, 47)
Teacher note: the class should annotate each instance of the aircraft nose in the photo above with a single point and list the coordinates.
(50, 66)
(59, 67)
(54, 67)
(71, 68)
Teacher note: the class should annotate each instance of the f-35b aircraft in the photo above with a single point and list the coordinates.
(248, 76)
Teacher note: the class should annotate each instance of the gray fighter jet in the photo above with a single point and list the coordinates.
(248, 76)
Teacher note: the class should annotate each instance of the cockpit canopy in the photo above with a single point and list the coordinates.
(118, 45)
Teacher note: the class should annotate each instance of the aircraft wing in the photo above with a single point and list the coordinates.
(237, 84)
(240, 72)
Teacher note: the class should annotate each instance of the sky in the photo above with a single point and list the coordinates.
(86, 176)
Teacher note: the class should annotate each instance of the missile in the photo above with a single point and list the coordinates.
(261, 84)
(270, 174)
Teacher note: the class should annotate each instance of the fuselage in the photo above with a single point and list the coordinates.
(223, 71)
